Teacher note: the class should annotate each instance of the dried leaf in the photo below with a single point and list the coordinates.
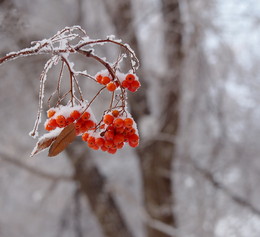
(42, 144)
(66, 136)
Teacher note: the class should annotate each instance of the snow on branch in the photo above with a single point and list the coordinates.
(116, 127)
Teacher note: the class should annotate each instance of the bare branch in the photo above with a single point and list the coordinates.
(42, 174)
(218, 185)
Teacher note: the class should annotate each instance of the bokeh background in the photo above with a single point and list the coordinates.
(196, 172)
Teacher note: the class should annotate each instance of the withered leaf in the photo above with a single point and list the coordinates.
(67, 135)
(42, 144)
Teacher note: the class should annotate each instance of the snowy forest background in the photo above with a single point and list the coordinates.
(197, 170)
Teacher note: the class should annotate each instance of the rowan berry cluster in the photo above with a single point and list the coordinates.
(69, 113)
(114, 131)
(65, 115)
(128, 81)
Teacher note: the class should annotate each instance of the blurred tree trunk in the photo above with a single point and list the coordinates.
(156, 159)
(93, 185)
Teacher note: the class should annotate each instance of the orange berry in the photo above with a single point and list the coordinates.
(134, 138)
(108, 119)
(75, 114)
(61, 121)
(115, 113)
(85, 137)
(120, 145)
(118, 123)
(69, 120)
(91, 141)
(52, 123)
(134, 86)
(85, 116)
(79, 123)
(120, 130)
(128, 122)
(130, 78)
(108, 144)
(95, 147)
(100, 141)
(111, 86)
(48, 127)
(104, 148)
(105, 80)
(118, 138)
(112, 150)
(99, 78)
(133, 144)
(125, 84)
(109, 135)
(110, 128)
(90, 124)
(50, 113)
(130, 131)
(132, 89)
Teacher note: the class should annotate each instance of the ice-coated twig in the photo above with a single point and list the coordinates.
(43, 77)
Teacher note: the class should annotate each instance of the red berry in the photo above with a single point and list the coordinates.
(108, 144)
(104, 148)
(99, 78)
(105, 80)
(115, 113)
(125, 84)
(75, 114)
(91, 141)
(133, 144)
(130, 78)
(90, 124)
(120, 145)
(130, 131)
(135, 85)
(79, 123)
(119, 138)
(61, 121)
(100, 141)
(69, 120)
(120, 130)
(133, 138)
(52, 123)
(85, 137)
(50, 113)
(111, 86)
(48, 127)
(128, 122)
(109, 135)
(111, 150)
(118, 123)
(108, 119)
(85, 116)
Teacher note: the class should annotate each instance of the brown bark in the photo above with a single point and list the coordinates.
(93, 186)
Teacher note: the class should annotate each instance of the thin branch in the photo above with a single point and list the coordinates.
(42, 174)
(218, 185)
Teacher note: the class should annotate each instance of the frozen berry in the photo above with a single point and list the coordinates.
(111, 86)
(108, 119)
(61, 121)
(118, 123)
(128, 122)
(105, 80)
(50, 113)
(130, 78)
(85, 116)
(75, 114)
